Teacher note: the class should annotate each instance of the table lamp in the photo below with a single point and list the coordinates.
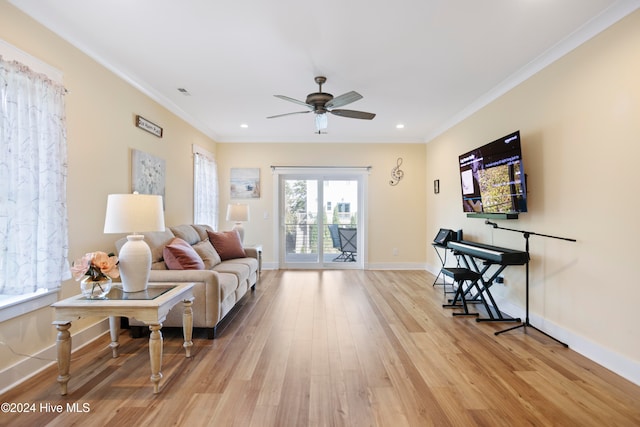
(238, 213)
(134, 213)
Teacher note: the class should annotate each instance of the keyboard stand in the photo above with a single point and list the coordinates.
(483, 290)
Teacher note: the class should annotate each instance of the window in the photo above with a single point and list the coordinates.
(205, 188)
(344, 207)
(33, 170)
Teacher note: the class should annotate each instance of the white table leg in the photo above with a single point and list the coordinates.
(114, 329)
(155, 353)
(63, 346)
(187, 326)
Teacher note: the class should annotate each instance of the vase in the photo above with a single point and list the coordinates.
(95, 289)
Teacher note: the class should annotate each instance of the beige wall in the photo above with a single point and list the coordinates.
(580, 125)
(101, 133)
(395, 213)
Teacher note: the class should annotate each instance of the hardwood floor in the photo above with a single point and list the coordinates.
(338, 348)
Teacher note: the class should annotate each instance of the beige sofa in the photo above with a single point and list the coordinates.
(219, 286)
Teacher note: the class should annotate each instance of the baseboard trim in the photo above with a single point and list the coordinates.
(23, 370)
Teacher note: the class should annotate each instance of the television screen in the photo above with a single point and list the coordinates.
(492, 177)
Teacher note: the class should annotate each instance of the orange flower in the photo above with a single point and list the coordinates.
(108, 265)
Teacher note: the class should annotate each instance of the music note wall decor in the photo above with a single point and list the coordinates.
(396, 173)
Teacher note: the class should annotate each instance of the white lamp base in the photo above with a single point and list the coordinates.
(135, 263)
(238, 227)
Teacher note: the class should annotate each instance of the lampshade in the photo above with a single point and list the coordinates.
(238, 212)
(133, 213)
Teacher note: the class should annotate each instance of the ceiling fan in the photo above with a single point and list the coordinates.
(322, 103)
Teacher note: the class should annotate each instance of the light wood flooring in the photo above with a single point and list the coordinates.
(338, 348)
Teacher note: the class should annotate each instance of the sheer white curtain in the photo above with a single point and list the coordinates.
(205, 185)
(33, 174)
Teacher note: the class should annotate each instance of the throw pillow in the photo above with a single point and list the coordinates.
(179, 255)
(227, 244)
(208, 254)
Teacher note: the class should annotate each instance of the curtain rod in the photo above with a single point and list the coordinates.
(368, 168)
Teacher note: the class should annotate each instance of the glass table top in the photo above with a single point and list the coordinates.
(151, 293)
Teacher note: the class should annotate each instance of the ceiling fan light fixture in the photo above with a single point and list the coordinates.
(321, 121)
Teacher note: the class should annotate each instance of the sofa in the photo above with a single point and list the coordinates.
(223, 271)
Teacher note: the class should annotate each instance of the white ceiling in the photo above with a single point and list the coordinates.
(424, 63)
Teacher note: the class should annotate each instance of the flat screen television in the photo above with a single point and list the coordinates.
(492, 177)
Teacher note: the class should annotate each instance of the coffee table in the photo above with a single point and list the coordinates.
(150, 306)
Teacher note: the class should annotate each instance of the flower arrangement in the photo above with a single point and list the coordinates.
(96, 267)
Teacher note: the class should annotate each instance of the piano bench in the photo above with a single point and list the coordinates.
(459, 276)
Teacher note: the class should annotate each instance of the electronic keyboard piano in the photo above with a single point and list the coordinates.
(492, 254)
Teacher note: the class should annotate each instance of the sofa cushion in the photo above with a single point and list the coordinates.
(241, 271)
(208, 254)
(227, 244)
(228, 285)
(202, 230)
(157, 241)
(179, 255)
(187, 233)
(252, 263)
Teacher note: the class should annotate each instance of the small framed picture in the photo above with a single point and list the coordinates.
(436, 186)
(245, 183)
(145, 124)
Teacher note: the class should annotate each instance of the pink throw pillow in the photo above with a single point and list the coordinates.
(227, 244)
(179, 255)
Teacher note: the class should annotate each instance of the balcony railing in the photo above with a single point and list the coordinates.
(303, 239)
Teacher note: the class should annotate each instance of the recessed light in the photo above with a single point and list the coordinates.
(399, 126)
(244, 125)
(184, 91)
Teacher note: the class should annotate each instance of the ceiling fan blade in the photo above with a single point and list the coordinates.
(288, 114)
(344, 99)
(353, 114)
(286, 98)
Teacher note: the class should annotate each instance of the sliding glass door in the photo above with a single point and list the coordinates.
(320, 220)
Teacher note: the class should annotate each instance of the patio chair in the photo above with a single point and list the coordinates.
(335, 239)
(348, 243)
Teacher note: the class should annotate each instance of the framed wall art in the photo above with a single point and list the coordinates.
(147, 173)
(152, 128)
(245, 183)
